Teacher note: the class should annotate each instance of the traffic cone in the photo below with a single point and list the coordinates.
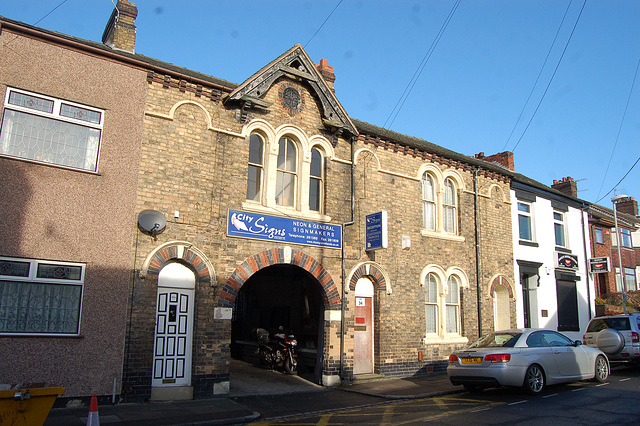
(93, 419)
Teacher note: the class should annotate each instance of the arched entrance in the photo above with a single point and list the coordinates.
(290, 287)
(363, 329)
(280, 296)
(173, 333)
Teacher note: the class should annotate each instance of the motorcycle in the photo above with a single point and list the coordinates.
(277, 351)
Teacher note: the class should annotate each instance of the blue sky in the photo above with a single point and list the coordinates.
(582, 119)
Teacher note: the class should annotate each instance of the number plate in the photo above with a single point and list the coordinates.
(470, 360)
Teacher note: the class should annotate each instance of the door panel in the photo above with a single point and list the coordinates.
(363, 336)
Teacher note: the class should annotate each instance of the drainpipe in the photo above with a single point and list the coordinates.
(586, 258)
(343, 299)
(477, 236)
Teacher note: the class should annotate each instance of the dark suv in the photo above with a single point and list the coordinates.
(618, 336)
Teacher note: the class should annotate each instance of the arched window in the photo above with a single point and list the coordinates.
(428, 203)
(316, 180)
(452, 301)
(256, 168)
(449, 207)
(431, 303)
(287, 175)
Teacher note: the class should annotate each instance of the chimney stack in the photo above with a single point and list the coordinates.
(326, 72)
(567, 186)
(505, 159)
(628, 206)
(120, 32)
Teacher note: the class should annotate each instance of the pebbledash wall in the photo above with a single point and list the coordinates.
(195, 155)
(67, 216)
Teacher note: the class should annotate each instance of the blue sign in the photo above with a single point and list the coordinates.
(376, 231)
(284, 230)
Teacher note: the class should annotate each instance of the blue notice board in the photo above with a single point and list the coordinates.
(376, 231)
(282, 229)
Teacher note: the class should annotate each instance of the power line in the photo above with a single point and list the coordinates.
(616, 185)
(52, 10)
(633, 83)
(416, 75)
(538, 78)
(551, 79)
(325, 21)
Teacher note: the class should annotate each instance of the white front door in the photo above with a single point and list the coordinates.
(174, 327)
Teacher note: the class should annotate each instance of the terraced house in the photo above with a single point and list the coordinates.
(264, 204)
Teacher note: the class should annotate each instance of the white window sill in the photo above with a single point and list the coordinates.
(446, 339)
(441, 235)
(285, 211)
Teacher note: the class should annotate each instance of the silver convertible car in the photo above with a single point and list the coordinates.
(527, 358)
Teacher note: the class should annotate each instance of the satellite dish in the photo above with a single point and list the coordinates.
(152, 222)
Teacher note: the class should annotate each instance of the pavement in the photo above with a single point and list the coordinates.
(249, 384)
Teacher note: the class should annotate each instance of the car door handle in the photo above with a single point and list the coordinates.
(556, 351)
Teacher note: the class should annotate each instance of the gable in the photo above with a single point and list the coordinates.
(296, 64)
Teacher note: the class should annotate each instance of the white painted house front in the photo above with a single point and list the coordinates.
(551, 241)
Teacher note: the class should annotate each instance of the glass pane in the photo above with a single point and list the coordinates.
(449, 219)
(431, 289)
(78, 113)
(452, 318)
(559, 231)
(524, 207)
(427, 188)
(49, 141)
(291, 157)
(429, 216)
(39, 308)
(452, 290)
(431, 318)
(254, 180)
(524, 223)
(286, 155)
(59, 272)
(285, 189)
(33, 102)
(255, 149)
(14, 268)
(316, 163)
(449, 193)
(314, 194)
(557, 216)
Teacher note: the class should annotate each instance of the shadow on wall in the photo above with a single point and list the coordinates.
(16, 193)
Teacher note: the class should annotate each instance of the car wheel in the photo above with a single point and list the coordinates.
(473, 388)
(534, 380)
(610, 341)
(602, 370)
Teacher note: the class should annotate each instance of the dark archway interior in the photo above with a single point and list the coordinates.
(279, 295)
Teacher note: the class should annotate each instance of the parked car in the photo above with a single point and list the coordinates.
(527, 358)
(618, 336)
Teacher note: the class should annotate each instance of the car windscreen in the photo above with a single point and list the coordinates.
(496, 340)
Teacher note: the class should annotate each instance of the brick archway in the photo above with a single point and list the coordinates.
(500, 280)
(372, 270)
(276, 256)
(178, 251)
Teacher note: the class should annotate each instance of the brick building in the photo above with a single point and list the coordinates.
(259, 197)
(602, 229)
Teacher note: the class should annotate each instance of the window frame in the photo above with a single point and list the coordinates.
(430, 302)
(598, 235)
(528, 215)
(33, 277)
(453, 207)
(431, 203)
(625, 236)
(318, 179)
(560, 225)
(450, 303)
(56, 114)
(435, 277)
(256, 166)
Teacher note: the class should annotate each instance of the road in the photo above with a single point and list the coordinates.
(615, 402)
